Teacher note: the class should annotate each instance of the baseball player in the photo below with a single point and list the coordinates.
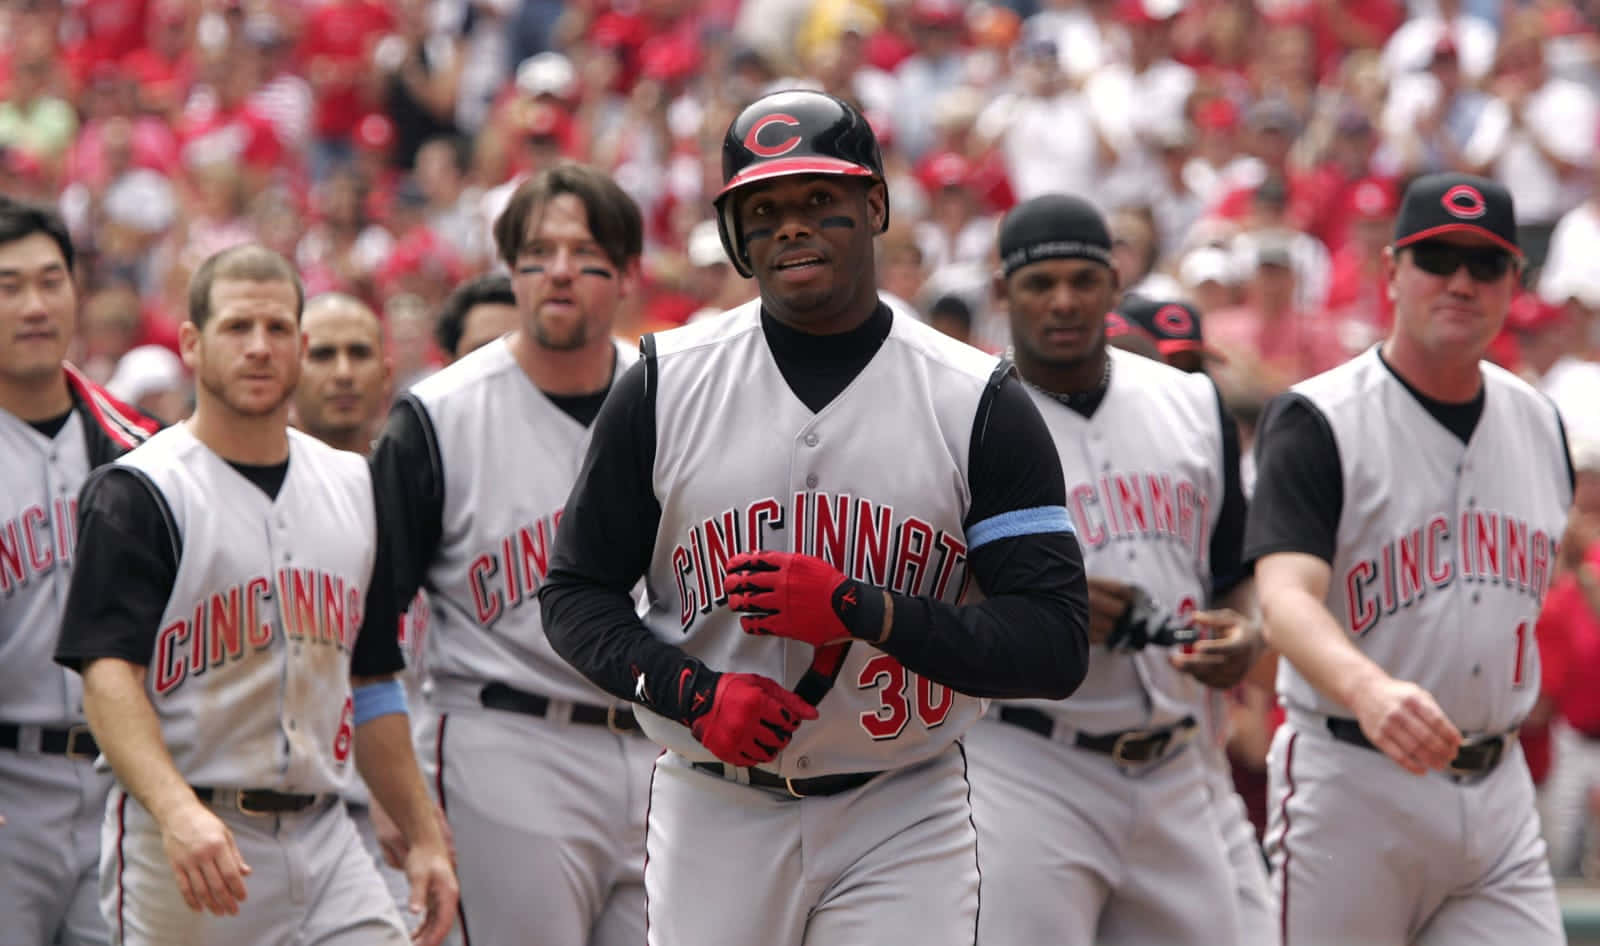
(479, 311)
(224, 568)
(345, 378)
(55, 426)
(1175, 326)
(1097, 816)
(542, 776)
(843, 557)
(1404, 530)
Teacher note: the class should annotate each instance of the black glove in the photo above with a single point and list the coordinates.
(1145, 624)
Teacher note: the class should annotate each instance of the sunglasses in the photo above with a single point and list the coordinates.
(1485, 264)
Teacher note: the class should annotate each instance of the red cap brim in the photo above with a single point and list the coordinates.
(783, 167)
(1171, 345)
(1472, 228)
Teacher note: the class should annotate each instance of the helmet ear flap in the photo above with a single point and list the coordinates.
(732, 240)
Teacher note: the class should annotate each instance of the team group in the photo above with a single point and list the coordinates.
(803, 624)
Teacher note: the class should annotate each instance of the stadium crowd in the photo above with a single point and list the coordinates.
(1249, 155)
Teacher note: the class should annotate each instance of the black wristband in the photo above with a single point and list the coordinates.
(860, 609)
(687, 696)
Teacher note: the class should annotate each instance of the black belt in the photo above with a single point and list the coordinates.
(261, 801)
(498, 696)
(797, 787)
(1475, 758)
(1129, 747)
(75, 742)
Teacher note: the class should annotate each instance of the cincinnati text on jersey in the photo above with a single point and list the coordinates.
(36, 543)
(509, 575)
(1142, 506)
(314, 607)
(859, 537)
(1495, 549)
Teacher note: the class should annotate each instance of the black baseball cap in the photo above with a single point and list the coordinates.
(1174, 325)
(1457, 203)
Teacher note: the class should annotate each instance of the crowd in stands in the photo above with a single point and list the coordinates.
(1248, 153)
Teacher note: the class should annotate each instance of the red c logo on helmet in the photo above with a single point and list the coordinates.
(1464, 201)
(1174, 320)
(752, 140)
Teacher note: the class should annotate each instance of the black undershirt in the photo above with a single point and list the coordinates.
(408, 478)
(127, 564)
(51, 426)
(1026, 639)
(1299, 494)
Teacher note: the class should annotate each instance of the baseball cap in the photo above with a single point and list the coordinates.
(1174, 325)
(547, 73)
(704, 245)
(1208, 264)
(1053, 226)
(1457, 203)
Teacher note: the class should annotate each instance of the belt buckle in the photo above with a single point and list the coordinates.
(74, 734)
(244, 809)
(788, 783)
(1155, 744)
(1493, 748)
(611, 720)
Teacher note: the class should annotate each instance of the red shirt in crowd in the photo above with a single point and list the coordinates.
(241, 135)
(1569, 651)
(339, 37)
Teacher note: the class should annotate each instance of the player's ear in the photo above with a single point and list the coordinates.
(628, 278)
(878, 206)
(997, 286)
(1391, 266)
(189, 345)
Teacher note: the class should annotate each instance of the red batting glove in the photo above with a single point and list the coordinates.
(750, 719)
(802, 598)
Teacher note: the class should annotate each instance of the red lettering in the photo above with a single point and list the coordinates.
(10, 557)
(889, 677)
(1110, 506)
(1539, 573)
(799, 536)
(1486, 544)
(681, 567)
(1440, 568)
(912, 551)
(258, 631)
(702, 571)
(66, 528)
(1358, 598)
(304, 603)
(1131, 505)
(952, 552)
(1386, 573)
(833, 530)
(535, 548)
(485, 600)
(1410, 567)
(766, 512)
(508, 571)
(171, 668)
(1089, 529)
(874, 527)
(1516, 553)
(197, 642)
(722, 543)
(1162, 515)
(934, 701)
(333, 629)
(40, 548)
(1189, 531)
(227, 632)
(1469, 569)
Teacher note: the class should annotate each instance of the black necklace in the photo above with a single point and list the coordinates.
(1084, 402)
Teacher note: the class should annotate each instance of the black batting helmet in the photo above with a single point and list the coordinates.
(792, 132)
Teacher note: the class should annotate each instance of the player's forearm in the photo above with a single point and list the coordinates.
(126, 728)
(595, 629)
(388, 765)
(1300, 628)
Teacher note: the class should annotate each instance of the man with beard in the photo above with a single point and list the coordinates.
(213, 616)
(541, 774)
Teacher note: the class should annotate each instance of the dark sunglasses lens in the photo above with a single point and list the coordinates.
(1443, 259)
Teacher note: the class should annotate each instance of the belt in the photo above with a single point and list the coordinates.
(796, 787)
(74, 742)
(259, 801)
(1475, 759)
(498, 696)
(1131, 747)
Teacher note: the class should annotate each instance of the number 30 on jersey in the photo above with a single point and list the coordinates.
(901, 694)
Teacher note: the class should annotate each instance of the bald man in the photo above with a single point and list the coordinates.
(345, 375)
(345, 381)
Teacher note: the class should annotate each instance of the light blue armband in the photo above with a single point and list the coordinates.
(379, 699)
(1008, 525)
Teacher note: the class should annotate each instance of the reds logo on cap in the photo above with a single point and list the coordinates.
(1174, 320)
(1464, 201)
(752, 141)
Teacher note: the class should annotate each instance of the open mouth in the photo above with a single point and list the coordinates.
(798, 262)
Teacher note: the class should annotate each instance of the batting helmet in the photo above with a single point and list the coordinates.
(792, 132)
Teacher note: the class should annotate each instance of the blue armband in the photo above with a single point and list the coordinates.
(379, 699)
(1009, 525)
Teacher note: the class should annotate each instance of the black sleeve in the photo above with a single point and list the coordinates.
(608, 529)
(1299, 493)
(123, 573)
(1227, 541)
(1029, 637)
(1566, 450)
(408, 488)
(377, 649)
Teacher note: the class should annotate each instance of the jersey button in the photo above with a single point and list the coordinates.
(811, 481)
(803, 763)
(812, 439)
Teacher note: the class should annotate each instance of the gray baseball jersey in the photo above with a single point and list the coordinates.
(250, 678)
(1145, 486)
(887, 509)
(49, 791)
(1445, 550)
(509, 456)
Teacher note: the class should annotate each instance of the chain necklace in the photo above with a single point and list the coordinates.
(1079, 400)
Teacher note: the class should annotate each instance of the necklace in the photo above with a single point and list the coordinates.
(1079, 400)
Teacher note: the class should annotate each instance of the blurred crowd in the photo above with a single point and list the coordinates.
(1249, 154)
